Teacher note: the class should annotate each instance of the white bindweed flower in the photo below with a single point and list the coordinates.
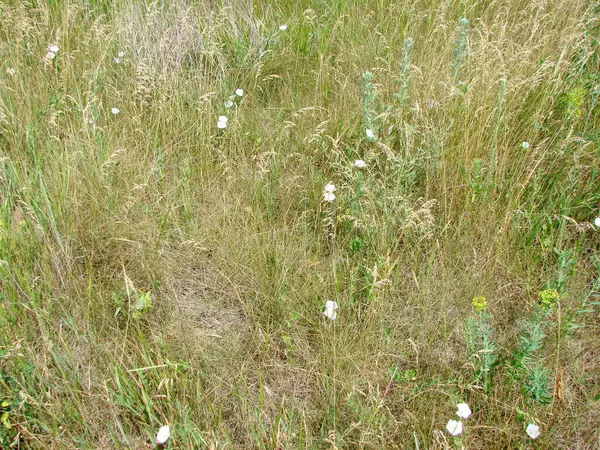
(370, 133)
(330, 309)
(53, 48)
(454, 427)
(222, 122)
(525, 145)
(50, 55)
(328, 192)
(597, 222)
(114, 110)
(463, 411)
(239, 92)
(283, 27)
(121, 54)
(359, 163)
(228, 103)
(163, 434)
(533, 431)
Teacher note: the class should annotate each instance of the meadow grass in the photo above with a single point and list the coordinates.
(157, 269)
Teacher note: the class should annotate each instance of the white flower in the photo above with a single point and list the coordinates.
(597, 222)
(283, 27)
(330, 308)
(114, 110)
(228, 103)
(328, 196)
(91, 121)
(239, 92)
(463, 411)
(222, 122)
(50, 55)
(525, 145)
(359, 163)
(454, 427)
(53, 48)
(533, 431)
(117, 60)
(163, 434)
(370, 133)
(329, 187)
(121, 54)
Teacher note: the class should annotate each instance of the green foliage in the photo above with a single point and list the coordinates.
(480, 342)
(143, 303)
(461, 50)
(405, 72)
(536, 384)
(371, 104)
(478, 182)
(526, 363)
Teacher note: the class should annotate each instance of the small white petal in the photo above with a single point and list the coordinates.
(163, 434)
(117, 60)
(329, 196)
(53, 48)
(330, 308)
(283, 27)
(463, 411)
(228, 103)
(50, 55)
(223, 119)
(329, 187)
(115, 111)
(239, 92)
(121, 54)
(533, 431)
(454, 427)
(525, 145)
(221, 125)
(370, 133)
(91, 121)
(597, 222)
(359, 163)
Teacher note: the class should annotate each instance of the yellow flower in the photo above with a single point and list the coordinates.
(549, 297)
(479, 303)
(4, 421)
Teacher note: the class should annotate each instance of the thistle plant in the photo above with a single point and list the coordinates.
(478, 334)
